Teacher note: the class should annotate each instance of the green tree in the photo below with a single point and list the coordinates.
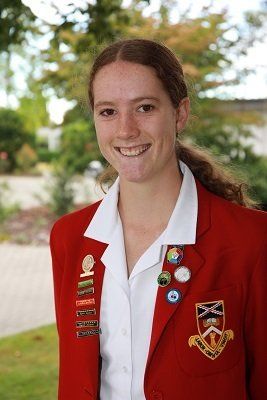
(78, 146)
(76, 40)
(16, 20)
(33, 108)
(12, 136)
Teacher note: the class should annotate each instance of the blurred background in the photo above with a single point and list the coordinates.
(49, 157)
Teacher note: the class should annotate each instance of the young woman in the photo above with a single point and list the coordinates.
(160, 288)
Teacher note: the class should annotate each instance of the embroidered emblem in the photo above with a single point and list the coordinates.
(212, 337)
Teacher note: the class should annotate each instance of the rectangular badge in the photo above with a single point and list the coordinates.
(83, 284)
(91, 332)
(89, 311)
(84, 324)
(86, 302)
(90, 290)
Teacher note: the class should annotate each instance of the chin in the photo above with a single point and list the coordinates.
(133, 178)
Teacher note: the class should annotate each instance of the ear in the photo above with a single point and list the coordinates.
(182, 114)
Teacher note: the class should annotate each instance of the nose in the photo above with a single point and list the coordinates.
(127, 127)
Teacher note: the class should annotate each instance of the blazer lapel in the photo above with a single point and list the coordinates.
(92, 346)
(193, 260)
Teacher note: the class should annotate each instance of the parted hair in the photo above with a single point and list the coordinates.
(211, 173)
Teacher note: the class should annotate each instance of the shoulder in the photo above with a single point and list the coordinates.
(75, 223)
(236, 222)
(241, 217)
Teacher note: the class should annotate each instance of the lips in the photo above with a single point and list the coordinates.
(133, 151)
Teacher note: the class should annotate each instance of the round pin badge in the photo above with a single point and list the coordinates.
(182, 274)
(175, 255)
(173, 296)
(164, 278)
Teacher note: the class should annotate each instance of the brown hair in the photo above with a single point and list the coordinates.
(205, 168)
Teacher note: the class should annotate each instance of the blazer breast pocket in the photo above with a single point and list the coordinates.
(208, 331)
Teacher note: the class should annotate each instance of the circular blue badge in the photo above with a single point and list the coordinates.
(173, 296)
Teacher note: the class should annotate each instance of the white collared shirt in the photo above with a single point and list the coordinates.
(127, 305)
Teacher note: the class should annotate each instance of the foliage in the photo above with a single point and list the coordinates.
(26, 158)
(61, 192)
(253, 169)
(32, 108)
(78, 146)
(45, 155)
(29, 365)
(12, 136)
(6, 209)
(15, 21)
(76, 39)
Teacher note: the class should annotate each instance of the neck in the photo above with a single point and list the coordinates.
(149, 204)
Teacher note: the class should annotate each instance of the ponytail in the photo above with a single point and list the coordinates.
(213, 175)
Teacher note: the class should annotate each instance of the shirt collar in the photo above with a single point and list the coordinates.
(181, 228)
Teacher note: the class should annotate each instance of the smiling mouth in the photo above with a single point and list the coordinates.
(133, 151)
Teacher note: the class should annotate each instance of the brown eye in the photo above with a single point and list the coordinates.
(107, 113)
(146, 108)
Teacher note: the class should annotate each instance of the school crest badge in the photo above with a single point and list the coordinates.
(212, 337)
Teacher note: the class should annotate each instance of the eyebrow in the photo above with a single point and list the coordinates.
(137, 99)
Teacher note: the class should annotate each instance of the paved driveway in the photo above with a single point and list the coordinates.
(26, 288)
(31, 191)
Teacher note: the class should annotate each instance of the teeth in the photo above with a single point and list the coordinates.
(131, 152)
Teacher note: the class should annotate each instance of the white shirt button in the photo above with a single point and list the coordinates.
(124, 331)
(124, 369)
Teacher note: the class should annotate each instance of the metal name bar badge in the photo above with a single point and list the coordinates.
(90, 332)
(85, 324)
(83, 284)
(89, 311)
(85, 302)
(86, 291)
(87, 266)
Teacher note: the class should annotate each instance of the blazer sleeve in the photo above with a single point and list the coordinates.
(58, 268)
(256, 329)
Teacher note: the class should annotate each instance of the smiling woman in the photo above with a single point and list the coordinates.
(136, 122)
(163, 282)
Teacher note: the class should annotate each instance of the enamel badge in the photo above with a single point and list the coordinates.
(212, 337)
(87, 266)
(175, 254)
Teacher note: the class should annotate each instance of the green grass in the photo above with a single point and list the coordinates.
(29, 365)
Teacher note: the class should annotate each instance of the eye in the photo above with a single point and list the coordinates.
(146, 108)
(108, 112)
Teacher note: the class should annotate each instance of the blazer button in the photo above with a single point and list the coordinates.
(156, 395)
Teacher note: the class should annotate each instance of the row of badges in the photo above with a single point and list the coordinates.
(85, 287)
(182, 274)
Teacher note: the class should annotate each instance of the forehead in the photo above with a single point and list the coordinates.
(122, 79)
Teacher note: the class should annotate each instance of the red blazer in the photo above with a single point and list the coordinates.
(210, 345)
